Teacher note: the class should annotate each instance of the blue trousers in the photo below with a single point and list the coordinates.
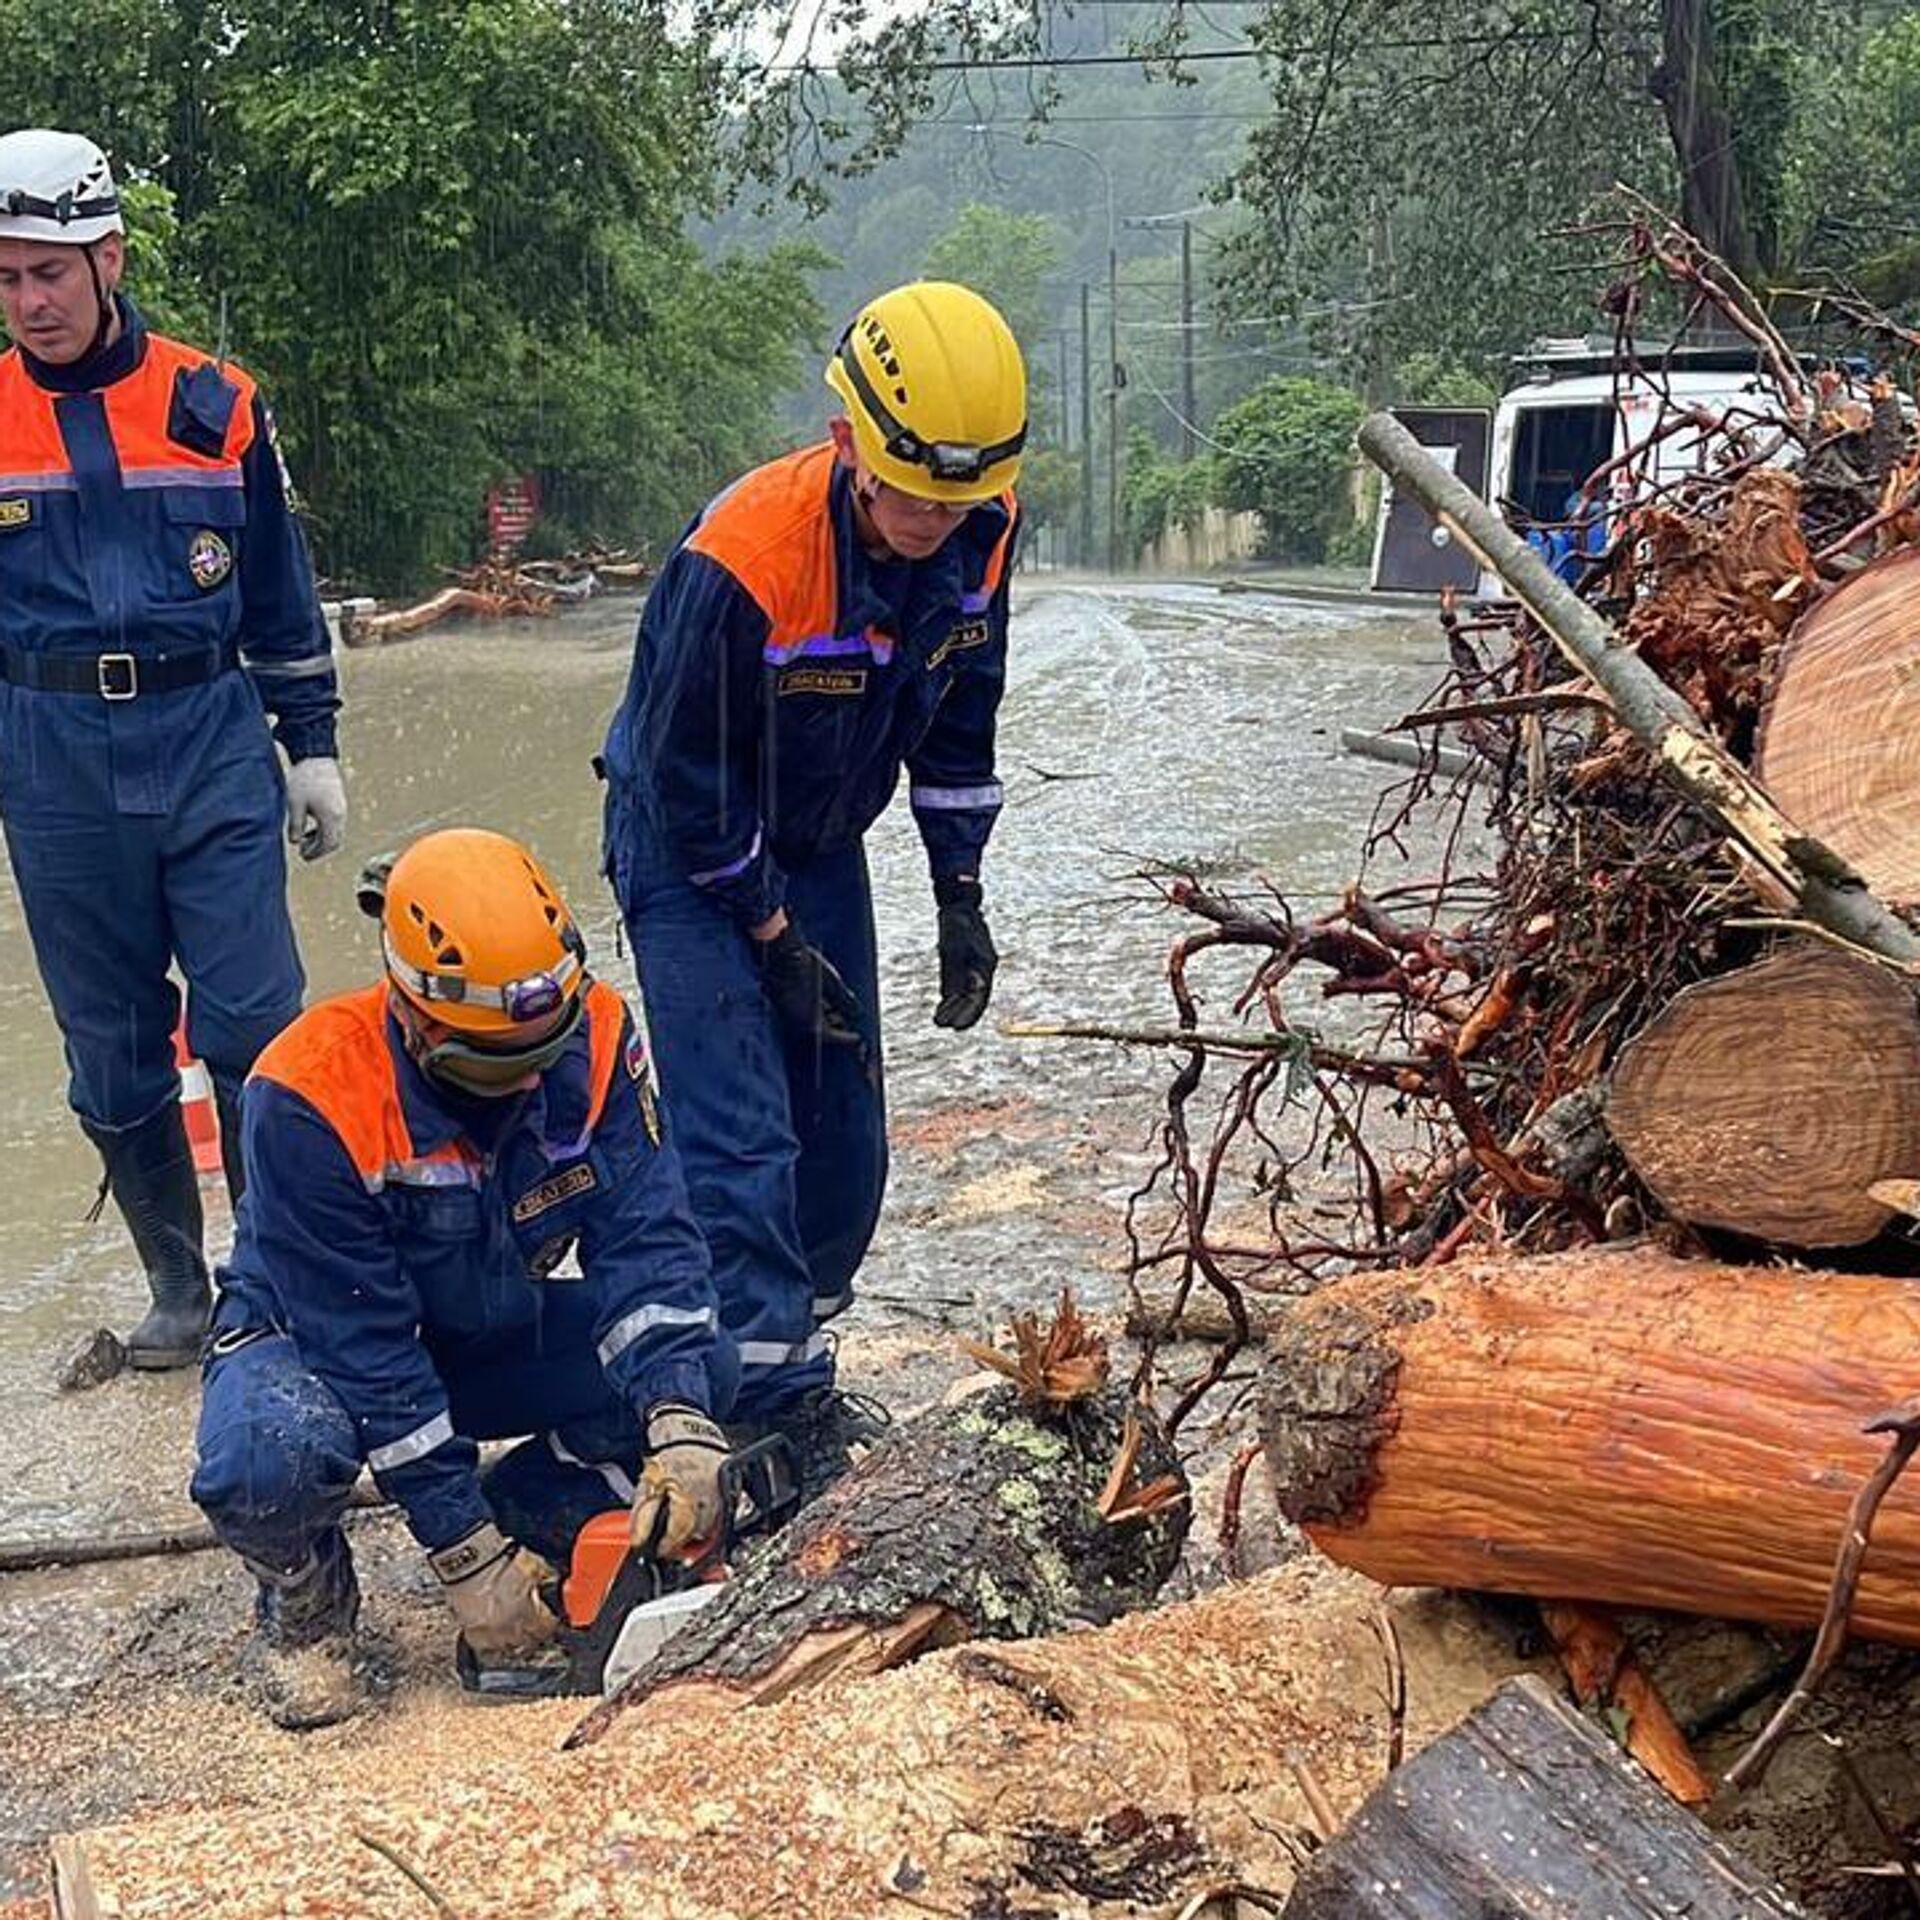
(278, 1454)
(114, 895)
(784, 1143)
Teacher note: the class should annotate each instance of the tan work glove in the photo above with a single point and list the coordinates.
(679, 1499)
(494, 1589)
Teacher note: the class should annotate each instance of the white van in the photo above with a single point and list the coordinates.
(1564, 418)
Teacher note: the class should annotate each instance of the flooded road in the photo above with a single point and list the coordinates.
(1142, 722)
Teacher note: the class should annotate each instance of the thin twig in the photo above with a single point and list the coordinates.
(1903, 1423)
(1396, 1692)
(1889, 1838)
(1230, 1510)
(395, 1860)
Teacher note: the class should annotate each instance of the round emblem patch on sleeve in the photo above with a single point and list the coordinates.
(209, 559)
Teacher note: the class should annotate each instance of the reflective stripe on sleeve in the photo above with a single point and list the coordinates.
(413, 1446)
(626, 1330)
(956, 799)
(770, 1353)
(732, 867)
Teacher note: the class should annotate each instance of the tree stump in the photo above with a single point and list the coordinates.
(1527, 1811)
(1768, 1101)
(1840, 744)
(1611, 1425)
(988, 1519)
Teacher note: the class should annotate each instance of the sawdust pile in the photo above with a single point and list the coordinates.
(1126, 1769)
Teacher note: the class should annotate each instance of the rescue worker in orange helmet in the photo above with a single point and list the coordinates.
(422, 1157)
(159, 632)
(831, 618)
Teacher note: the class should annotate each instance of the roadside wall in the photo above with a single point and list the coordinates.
(1221, 539)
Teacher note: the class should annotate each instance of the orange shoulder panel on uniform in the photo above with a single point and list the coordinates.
(997, 559)
(773, 532)
(140, 409)
(606, 1020)
(335, 1056)
(30, 445)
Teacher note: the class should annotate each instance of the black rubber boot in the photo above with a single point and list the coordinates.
(825, 1431)
(226, 1101)
(150, 1175)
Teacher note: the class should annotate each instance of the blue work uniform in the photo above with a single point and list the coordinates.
(156, 608)
(781, 679)
(396, 1291)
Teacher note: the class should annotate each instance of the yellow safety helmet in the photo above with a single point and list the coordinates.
(934, 385)
(478, 938)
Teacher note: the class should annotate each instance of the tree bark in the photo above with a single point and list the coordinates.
(1611, 1425)
(1826, 889)
(981, 1520)
(1712, 205)
(1527, 1811)
(1838, 742)
(1783, 1140)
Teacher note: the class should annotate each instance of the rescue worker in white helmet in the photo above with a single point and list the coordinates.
(159, 631)
(422, 1157)
(829, 619)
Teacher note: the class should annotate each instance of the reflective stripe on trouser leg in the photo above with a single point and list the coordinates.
(276, 1454)
(724, 1091)
(546, 1489)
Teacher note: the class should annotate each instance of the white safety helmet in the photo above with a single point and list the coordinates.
(56, 187)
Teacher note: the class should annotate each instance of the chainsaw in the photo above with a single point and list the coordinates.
(618, 1603)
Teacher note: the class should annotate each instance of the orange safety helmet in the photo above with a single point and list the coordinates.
(478, 938)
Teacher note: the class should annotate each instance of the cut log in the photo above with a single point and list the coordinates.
(982, 1520)
(1840, 745)
(1611, 1425)
(1527, 1811)
(1770, 1100)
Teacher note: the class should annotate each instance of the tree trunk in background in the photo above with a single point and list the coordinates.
(1712, 206)
(1612, 1424)
(1768, 1101)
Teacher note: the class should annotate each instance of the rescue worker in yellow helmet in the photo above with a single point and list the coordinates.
(830, 618)
(422, 1155)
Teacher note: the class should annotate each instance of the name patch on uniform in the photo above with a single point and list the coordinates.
(969, 633)
(209, 559)
(550, 1193)
(847, 682)
(15, 513)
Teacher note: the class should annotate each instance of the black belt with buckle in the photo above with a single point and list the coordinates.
(114, 676)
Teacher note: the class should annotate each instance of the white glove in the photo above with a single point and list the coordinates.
(316, 806)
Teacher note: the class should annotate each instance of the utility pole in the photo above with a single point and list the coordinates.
(1189, 444)
(1086, 426)
(1066, 401)
(1114, 378)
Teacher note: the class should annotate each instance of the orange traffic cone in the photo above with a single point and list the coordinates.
(196, 1104)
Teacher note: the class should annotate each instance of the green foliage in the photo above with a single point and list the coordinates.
(1049, 487)
(1158, 494)
(448, 237)
(1289, 456)
(1426, 379)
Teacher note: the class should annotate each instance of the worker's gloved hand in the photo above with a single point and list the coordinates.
(680, 1499)
(967, 956)
(370, 888)
(806, 989)
(494, 1589)
(316, 806)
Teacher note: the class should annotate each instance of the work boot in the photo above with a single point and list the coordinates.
(300, 1659)
(826, 1431)
(149, 1172)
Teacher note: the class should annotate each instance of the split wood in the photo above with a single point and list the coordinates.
(1903, 1423)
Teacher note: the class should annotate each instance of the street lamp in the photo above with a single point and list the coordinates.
(1113, 348)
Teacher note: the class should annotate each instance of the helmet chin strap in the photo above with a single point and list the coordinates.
(102, 300)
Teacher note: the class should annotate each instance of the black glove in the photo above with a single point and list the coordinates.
(967, 956)
(806, 989)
